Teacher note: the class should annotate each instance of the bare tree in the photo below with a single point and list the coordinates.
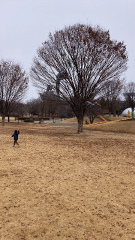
(93, 111)
(34, 107)
(111, 94)
(50, 103)
(18, 109)
(78, 61)
(13, 85)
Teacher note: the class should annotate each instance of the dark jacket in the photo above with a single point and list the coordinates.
(15, 135)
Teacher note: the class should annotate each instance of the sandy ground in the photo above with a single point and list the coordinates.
(63, 185)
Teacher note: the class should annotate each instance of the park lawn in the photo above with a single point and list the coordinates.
(63, 185)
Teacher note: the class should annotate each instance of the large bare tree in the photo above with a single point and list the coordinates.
(77, 62)
(13, 86)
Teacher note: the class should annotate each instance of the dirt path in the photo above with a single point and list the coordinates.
(61, 185)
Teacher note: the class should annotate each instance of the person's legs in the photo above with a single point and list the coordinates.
(14, 143)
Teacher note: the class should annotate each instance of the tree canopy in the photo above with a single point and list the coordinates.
(77, 62)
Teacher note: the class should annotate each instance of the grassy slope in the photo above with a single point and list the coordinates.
(121, 126)
(112, 125)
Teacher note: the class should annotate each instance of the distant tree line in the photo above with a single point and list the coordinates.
(49, 106)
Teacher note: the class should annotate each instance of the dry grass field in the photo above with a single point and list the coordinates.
(61, 185)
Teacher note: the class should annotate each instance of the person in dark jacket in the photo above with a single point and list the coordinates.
(15, 135)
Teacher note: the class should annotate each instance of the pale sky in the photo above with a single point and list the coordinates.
(26, 24)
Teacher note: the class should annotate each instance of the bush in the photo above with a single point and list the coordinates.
(28, 120)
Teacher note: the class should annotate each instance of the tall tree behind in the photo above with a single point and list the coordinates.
(78, 61)
(13, 86)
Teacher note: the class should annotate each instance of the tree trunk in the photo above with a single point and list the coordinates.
(91, 118)
(80, 124)
(3, 120)
(132, 115)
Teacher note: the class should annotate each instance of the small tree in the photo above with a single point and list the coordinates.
(129, 93)
(93, 111)
(34, 107)
(18, 110)
(13, 85)
(78, 61)
(111, 93)
(49, 106)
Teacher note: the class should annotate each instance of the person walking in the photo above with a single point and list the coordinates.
(15, 135)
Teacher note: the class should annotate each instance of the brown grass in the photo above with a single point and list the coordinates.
(114, 126)
(62, 185)
(107, 117)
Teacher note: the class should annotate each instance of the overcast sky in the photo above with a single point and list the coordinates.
(25, 25)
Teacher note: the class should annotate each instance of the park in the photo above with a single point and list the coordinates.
(69, 177)
(63, 185)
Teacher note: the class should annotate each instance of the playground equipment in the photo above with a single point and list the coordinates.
(128, 113)
(101, 117)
